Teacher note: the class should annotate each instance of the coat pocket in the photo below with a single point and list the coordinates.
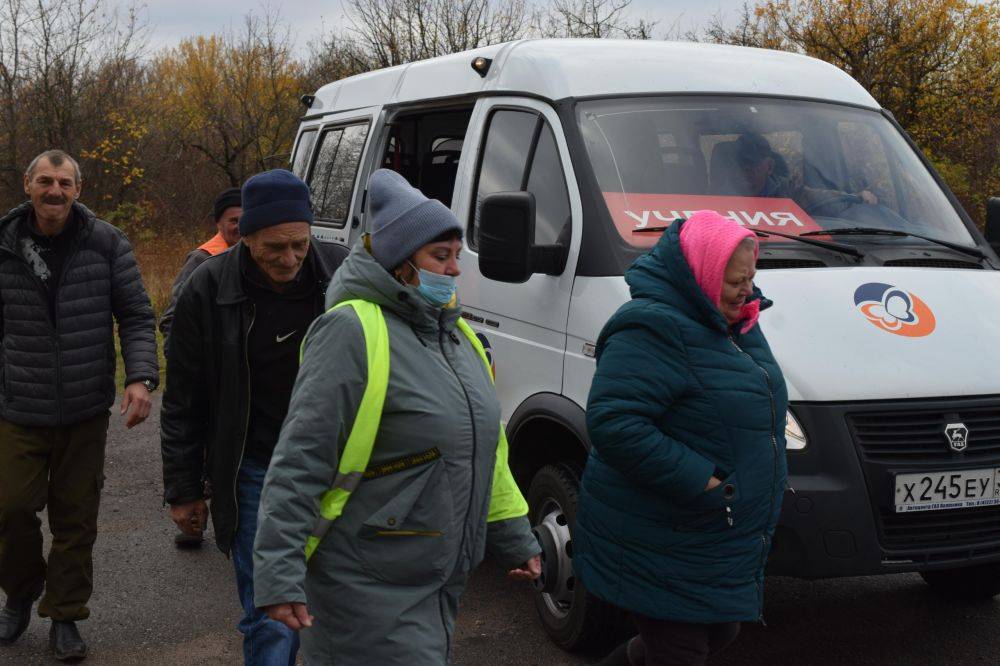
(406, 541)
(711, 509)
(726, 492)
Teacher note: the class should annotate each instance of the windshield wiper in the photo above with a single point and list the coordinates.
(875, 231)
(836, 247)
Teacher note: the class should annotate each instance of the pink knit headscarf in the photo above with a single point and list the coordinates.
(708, 240)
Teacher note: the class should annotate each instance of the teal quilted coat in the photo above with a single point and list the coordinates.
(678, 396)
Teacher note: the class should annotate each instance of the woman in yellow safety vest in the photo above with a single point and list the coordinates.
(390, 478)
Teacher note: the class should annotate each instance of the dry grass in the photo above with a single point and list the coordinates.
(160, 259)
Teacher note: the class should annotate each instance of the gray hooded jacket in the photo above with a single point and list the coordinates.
(384, 583)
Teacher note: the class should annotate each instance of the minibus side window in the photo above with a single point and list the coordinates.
(426, 147)
(302, 151)
(547, 182)
(334, 171)
(520, 154)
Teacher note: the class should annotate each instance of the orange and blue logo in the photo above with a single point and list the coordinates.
(894, 310)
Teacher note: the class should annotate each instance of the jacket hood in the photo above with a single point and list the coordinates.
(362, 277)
(664, 275)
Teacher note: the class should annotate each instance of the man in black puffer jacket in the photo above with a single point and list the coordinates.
(65, 278)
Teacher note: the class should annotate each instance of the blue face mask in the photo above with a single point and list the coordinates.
(437, 289)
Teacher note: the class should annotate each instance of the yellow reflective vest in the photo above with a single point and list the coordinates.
(506, 500)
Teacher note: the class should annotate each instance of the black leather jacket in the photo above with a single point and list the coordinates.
(206, 403)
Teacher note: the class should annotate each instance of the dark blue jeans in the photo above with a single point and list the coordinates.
(265, 642)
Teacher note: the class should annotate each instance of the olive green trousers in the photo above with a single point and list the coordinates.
(62, 467)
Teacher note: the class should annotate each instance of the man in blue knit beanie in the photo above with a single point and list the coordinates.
(232, 360)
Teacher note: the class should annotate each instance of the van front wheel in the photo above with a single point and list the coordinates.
(573, 619)
(980, 582)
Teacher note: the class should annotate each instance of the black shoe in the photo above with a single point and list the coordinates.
(14, 618)
(65, 641)
(630, 653)
(186, 541)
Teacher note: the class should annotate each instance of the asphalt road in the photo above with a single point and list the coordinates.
(155, 605)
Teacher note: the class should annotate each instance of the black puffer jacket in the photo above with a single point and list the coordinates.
(203, 424)
(62, 372)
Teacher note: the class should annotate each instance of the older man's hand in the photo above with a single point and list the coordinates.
(191, 518)
(136, 399)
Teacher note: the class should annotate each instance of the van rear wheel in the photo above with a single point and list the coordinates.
(573, 618)
(976, 583)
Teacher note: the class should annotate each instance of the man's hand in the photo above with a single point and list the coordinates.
(868, 197)
(712, 483)
(191, 518)
(530, 570)
(295, 616)
(137, 397)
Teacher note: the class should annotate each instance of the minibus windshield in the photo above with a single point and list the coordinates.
(772, 164)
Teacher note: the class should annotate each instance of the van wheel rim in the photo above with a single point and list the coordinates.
(557, 580)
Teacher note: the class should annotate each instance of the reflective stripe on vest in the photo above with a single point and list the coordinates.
(358, 448)
(506, 500)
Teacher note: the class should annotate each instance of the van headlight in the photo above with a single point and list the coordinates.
(795, 436)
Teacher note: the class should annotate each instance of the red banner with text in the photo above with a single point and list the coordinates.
(633, 212)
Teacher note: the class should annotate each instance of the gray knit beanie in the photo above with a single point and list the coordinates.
(402, 219)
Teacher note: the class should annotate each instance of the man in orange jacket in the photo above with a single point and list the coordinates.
(227, 209)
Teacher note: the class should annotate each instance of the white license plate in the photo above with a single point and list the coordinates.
(947, 490)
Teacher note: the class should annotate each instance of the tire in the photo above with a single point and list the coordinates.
(975, 583)
(573, 618)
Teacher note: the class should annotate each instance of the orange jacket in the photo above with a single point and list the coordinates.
(214, 245)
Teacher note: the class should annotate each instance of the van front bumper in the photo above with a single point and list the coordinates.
(838, 517)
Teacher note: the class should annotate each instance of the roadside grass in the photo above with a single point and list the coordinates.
(160, 259)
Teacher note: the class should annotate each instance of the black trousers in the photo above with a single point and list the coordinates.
(64, 468)
(670, 643)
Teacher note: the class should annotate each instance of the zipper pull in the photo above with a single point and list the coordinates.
(788, 487)
(729, 515)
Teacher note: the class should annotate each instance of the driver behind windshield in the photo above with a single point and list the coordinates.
(749, 167)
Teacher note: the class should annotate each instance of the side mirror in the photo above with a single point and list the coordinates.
(507, 252)
(993, 223)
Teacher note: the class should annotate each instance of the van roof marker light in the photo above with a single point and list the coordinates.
(481, 65)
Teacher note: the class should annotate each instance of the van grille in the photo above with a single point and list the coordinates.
(940, 529)
(934, 263)
(918, 435)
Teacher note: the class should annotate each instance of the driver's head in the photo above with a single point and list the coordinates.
(756, 161)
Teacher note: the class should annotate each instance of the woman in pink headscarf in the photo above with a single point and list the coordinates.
(685, 478)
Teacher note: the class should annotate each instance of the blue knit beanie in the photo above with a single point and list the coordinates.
(402, 219)
(274, 197)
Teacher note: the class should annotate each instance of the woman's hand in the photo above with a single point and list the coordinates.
(713, 483)
(295, 616)
(530, 570)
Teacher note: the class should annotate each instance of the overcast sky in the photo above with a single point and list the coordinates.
(172, 20)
